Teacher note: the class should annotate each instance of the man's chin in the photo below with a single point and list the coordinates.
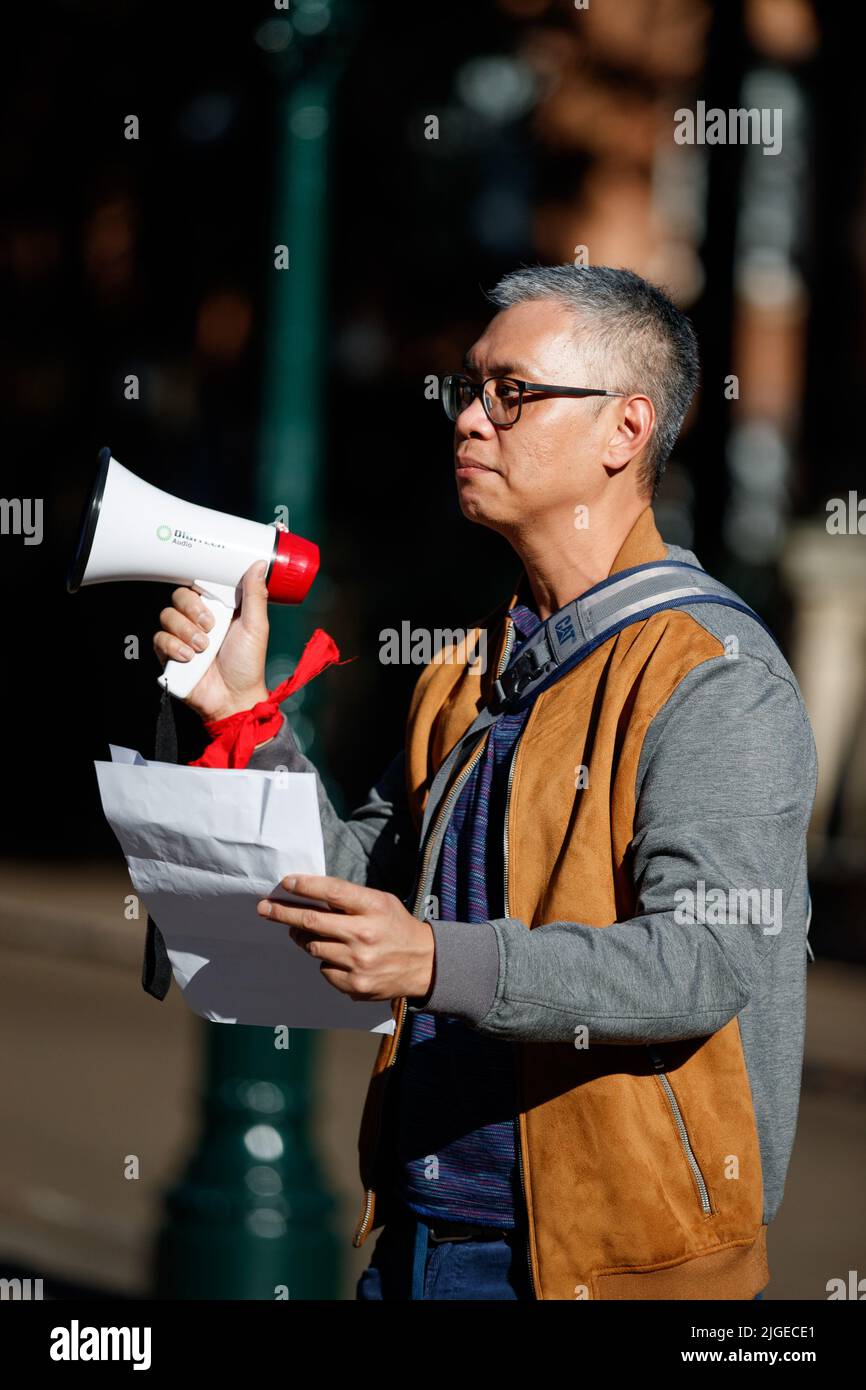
(479, 503)
(474, 510)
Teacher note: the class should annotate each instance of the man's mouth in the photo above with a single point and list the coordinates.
(467, 465)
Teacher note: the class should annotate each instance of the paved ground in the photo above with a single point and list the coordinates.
(93, 1070)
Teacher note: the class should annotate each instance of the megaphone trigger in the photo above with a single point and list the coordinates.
(180, 678)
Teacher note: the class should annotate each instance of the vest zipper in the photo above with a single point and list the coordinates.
(426, 878)
(507, 913)
(659, 1067)
(532, 1279)
(505, 824)
(423, 885)
(506, 650)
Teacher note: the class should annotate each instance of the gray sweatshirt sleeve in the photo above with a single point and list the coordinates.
(724, 789)
(377, 844)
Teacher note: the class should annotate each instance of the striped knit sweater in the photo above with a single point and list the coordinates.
(456, 1136)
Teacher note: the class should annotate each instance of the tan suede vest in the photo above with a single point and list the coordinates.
(615, 1208)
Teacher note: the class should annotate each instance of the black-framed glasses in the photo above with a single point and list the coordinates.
(502, 396)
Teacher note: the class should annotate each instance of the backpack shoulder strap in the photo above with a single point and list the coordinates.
(569, 635)
(630, 596)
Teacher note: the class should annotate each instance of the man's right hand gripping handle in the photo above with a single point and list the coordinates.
(236, 679)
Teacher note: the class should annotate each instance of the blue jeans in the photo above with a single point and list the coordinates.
(406, 1265)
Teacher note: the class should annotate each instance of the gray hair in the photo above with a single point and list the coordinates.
(631, 336)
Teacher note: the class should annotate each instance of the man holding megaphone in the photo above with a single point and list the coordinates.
(235, 680)
(579, 1054)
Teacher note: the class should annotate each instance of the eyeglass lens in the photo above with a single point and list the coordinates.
(501, 398)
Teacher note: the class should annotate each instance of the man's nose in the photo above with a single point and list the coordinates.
(473, 422)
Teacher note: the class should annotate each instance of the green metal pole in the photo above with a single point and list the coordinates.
(292, 437)
(251, 1217)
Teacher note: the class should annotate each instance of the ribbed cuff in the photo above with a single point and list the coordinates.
(281, 750)
(466, 971)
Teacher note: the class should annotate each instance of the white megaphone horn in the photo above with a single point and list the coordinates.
(130, 530)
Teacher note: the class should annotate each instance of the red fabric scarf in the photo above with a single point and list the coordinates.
(235, 737)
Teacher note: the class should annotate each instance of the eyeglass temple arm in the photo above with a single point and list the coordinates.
(568, 390)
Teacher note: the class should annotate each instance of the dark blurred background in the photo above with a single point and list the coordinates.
(316, 388)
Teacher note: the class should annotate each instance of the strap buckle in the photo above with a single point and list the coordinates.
(522, 672)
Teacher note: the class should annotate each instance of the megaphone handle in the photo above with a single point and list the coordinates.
(181, 677)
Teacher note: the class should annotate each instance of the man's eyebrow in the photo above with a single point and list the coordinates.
(498, 368)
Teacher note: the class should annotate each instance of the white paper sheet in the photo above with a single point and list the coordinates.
(203, 845)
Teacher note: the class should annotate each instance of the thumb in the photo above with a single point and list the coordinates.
(254, 596)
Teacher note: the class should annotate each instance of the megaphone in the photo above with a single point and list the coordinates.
(130, 530)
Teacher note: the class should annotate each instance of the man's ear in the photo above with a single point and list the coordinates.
(634, 421)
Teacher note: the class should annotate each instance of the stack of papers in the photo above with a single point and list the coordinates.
(203, 846)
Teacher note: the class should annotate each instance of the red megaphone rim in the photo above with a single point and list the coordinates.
(294, 565)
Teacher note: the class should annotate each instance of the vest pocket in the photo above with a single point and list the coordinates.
(685, 1143)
